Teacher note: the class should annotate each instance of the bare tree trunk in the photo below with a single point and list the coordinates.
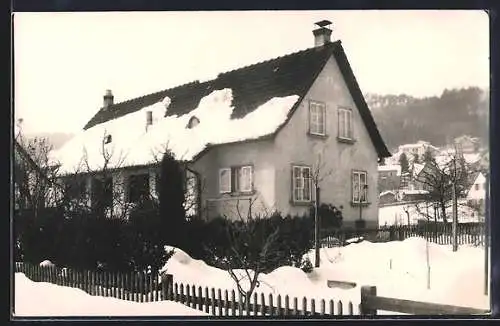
(316, 228)
(455, 217)
(443, 211)
(486, 233)
(428, 264)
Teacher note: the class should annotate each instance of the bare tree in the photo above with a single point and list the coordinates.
(439, 178)
(319, 173)
(35, 177)
(252, 249)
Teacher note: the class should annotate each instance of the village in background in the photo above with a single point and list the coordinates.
(403, 185)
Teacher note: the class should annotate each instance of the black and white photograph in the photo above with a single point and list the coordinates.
(245, 164)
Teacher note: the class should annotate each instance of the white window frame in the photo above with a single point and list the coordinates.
(345, 123)
(316, 110)
(239, 172)
(302, 182)
(225, 188)
(357, 196)
(249, 181)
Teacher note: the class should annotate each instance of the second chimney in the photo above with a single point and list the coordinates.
(108, 98)
(323, 33)
(149, 119)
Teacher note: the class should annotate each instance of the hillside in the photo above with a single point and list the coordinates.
(405, 119)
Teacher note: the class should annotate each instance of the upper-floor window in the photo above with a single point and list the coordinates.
(359, 187)
(317, 112)
(236, 179)
(301, 183)
(345, 123)
(476, 186)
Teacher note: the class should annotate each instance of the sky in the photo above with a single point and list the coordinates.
(64, 62)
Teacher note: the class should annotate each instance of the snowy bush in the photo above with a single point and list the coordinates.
(307, 266)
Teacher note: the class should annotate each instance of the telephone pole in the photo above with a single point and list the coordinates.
(454, 215)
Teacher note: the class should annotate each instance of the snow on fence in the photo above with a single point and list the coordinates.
(472, 234)
(140, 287)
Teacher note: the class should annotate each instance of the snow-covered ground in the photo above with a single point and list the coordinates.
(40, 299)
(397, 268)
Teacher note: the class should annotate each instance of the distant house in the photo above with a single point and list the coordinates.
(387, 197)
(389, 177)
(466, 144)
(412, 151)
(257, 134)
(477, 191)
(411, 180)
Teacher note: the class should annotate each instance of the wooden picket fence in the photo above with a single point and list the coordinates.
(140, 287)
(227, 303)
(467, 234)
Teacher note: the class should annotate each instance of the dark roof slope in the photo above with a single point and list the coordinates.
(253, 86)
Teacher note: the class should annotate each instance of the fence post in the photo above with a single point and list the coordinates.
(212, 301)
(366, 293)
(271, 305)
(219, 302)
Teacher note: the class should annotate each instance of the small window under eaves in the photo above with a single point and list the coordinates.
(193, 122)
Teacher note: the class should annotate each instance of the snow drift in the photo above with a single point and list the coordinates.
(39, 299)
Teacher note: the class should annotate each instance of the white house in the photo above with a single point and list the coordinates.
(477, 192)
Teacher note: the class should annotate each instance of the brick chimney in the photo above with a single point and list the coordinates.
(323, 33)
(149, 119)
(108, 98)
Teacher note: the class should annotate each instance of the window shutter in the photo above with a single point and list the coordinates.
(349, 124)
(225, 180)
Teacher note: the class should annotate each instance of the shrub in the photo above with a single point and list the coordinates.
(294, 239)
(330, 216)
(172, 197)
(307, 266)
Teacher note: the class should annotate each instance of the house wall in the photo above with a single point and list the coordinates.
(260, 155)
(293, 145)
(474, 194)
(120, 186)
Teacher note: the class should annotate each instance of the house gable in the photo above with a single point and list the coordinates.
(294, 145)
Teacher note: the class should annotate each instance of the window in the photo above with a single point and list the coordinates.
(193, 122)
(301, 183)
(108, 139)
(102, 192)
(224, 180)
(476, 186)
(317, 118)
(359, 187)
(345, 123)
(138, 187)
(236, 179)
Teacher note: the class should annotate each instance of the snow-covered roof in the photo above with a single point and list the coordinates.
(132, 144)
(414, 192)
(387, 192)
(417, 168)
